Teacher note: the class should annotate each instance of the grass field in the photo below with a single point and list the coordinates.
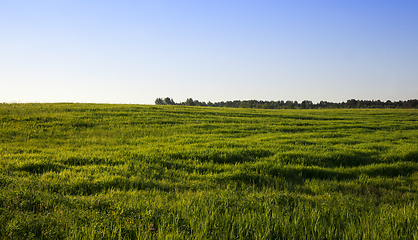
(101, 171)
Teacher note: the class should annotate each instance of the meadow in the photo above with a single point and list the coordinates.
(103, 171)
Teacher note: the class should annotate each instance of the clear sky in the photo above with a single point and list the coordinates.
(218, 50)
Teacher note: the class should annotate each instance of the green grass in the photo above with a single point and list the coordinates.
(99, 171)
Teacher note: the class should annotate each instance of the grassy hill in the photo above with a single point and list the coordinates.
(101, 171)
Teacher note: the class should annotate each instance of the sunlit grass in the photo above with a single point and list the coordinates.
(97, 171)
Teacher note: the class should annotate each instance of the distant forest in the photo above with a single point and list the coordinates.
(352, 103)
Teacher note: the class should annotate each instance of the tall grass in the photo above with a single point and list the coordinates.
(98, 171)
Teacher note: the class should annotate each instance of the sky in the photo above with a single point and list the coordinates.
(136, 51)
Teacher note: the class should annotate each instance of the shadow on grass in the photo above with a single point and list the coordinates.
(116, 183)
(351, 159)
(346, 159)
(81, 161)
(39, 168)
(314, 172)
(224, 157)
(390, 170)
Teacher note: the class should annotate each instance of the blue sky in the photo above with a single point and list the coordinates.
(135, 51)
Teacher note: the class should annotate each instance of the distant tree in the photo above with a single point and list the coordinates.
(306, 104)
(159, 101)
(245, 104)
(189, 102)
(352, 103)
(169, 101)
(196, 103)
(220, 104)
(165, 101)
(265, 106)
(288, 105)
(413, 103)
(388, 104)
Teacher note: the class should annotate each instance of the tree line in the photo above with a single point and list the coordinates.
(306, 104)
